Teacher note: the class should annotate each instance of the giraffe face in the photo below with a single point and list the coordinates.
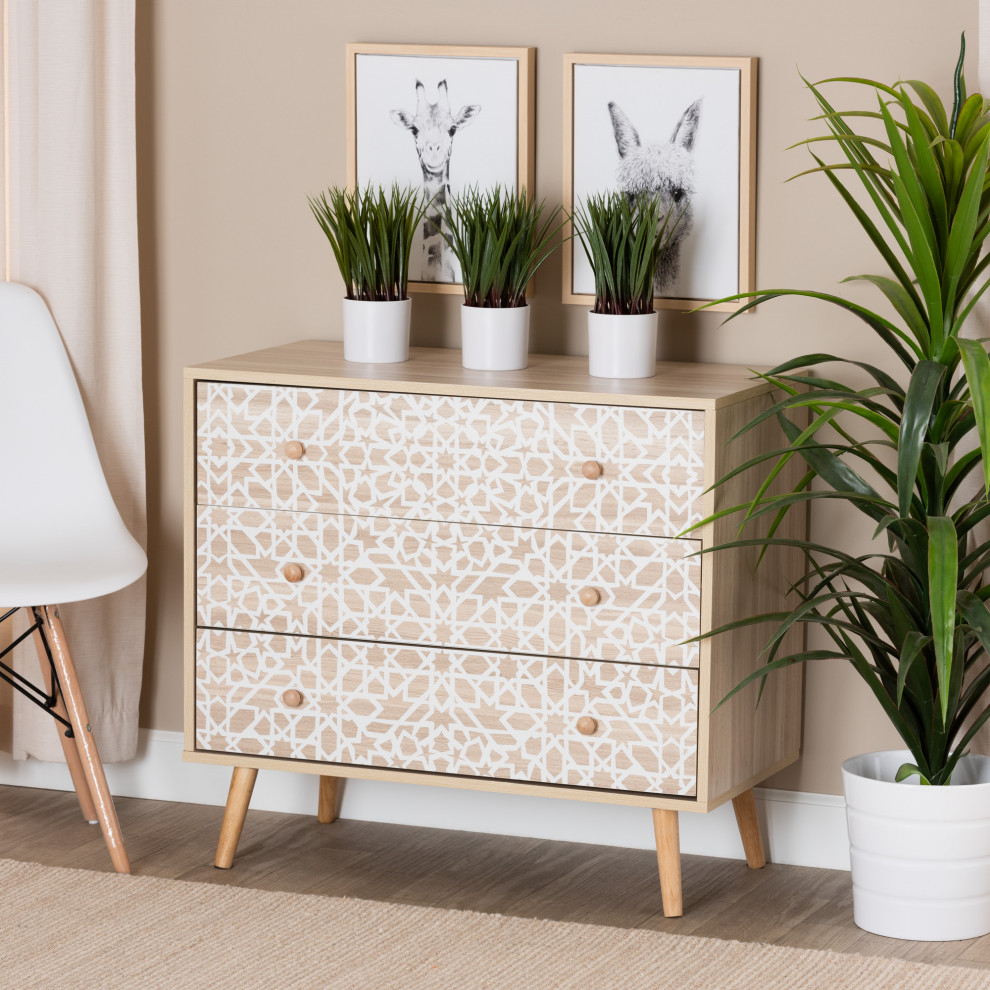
(433, 126)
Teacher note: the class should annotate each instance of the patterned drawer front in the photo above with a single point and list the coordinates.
(440, 584)
(467, 713)
(241, 686)
(485, 461)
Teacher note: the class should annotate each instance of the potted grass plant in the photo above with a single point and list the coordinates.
(624, 240)
(371, 232)
(910, 451)
(500, 238)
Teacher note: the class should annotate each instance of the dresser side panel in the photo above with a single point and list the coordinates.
(746, 740)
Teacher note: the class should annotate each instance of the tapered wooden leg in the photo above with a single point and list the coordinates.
(326, 810)
(669, 860)
(749, 829)
(89, 756)
(69, 749)
(238, 797)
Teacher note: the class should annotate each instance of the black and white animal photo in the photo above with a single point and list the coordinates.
(432, 127)
(410, 110)
(681, 132)
(665, 167)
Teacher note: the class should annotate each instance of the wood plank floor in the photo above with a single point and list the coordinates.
(787, 905)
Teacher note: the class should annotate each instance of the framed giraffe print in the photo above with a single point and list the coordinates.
(683, 128)
(442, 119)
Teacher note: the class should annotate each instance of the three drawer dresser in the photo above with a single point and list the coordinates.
(479, 579)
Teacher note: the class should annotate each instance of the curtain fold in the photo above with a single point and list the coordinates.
(70, 222)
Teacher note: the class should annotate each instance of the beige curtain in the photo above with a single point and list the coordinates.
(70, 231)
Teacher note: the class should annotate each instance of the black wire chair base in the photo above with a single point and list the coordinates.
(45, 700)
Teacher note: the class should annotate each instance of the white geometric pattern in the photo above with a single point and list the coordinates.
(465, 528)
(450, 585)
(476, 714)
(454, 458)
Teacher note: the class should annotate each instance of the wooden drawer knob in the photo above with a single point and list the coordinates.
(293, 699)
(294, 450)
(587, 726)
(590, 596)
(292, 573)
(591, 470)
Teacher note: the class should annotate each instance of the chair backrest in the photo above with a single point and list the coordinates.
(52, 489)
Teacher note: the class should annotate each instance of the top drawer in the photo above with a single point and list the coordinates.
(484, 461)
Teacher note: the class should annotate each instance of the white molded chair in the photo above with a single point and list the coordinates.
(61, 536)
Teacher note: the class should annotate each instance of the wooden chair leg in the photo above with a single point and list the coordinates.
(749, 829)
(669, 860)
(326, 810)
(238, 797)
(89, 756)
(69, 749)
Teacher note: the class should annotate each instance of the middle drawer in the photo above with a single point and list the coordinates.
(544, 592)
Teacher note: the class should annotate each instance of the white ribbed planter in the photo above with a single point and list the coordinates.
(920, 855)
(622, 346)
(376, 332)
(494, 339)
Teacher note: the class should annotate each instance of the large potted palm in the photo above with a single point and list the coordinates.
(911, 452)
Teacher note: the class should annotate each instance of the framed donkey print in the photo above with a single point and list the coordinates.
(442, 119)
(682, 127)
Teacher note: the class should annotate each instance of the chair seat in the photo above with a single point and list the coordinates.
(88, 564)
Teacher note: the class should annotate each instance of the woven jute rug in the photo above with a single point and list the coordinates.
(75, 928)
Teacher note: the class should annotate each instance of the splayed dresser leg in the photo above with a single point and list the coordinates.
(326, 811)
(668, 837)
(238, 797)
(744, 805)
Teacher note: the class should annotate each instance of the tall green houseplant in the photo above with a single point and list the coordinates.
(911, 617)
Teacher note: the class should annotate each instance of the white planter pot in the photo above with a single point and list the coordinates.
(920, 855)
(494, 339)
(376, 332)
(622, 346)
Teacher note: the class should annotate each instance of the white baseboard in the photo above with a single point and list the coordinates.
(802, 829)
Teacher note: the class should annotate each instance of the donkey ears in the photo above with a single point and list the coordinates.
(626, 138)
(687, 127)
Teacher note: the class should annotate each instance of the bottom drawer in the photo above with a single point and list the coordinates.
(455, 712)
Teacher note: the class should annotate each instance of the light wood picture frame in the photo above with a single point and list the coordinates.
(406, 107)
(681, 125)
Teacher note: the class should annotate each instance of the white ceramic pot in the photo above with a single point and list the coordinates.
(920, 855)
(622, 346)
(376, 332)
(494, 339)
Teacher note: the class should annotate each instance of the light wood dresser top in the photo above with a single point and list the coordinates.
(434, 370)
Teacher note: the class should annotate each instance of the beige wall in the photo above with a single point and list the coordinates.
(241, 114)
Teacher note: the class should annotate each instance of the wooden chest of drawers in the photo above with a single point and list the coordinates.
(477, 579)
